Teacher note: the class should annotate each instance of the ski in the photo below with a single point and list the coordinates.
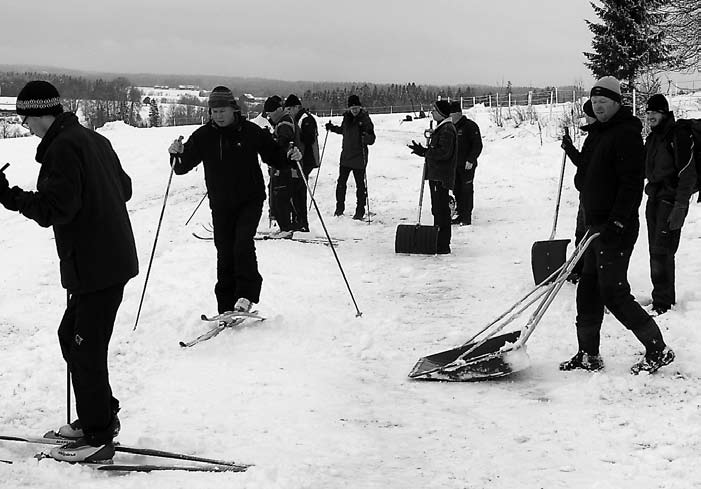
(203, 238)
(229, 319)
(208, 335)
(51, 439)
(124, 467)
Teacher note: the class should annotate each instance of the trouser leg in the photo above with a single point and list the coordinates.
(440, 208)
(341, 184)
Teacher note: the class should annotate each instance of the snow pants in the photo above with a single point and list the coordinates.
(84, 335)
(663, 245)
(464, 192)
(361, 192)
(237, 265)
(299, 201)
(440, 208)
(281, 187)
(604, 282)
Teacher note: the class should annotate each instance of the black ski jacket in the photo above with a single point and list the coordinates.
(358, 133)
(441, 154)
(82, 192)
(469, 141)
(230, 156)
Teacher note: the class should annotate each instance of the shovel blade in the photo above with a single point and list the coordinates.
(546, 257)
(416, 239)
(496, 357)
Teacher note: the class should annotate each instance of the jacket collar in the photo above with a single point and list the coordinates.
(63, 121)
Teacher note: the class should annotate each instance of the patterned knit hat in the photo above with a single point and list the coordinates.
(442, 107)
(38, 98)
(607, 87)
(222, 97)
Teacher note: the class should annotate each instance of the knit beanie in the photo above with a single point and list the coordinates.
(354, 101)
(455, 106)
(222, 97)
(443, 107)
(607, 87)
(292, 101)
(658, 103)
(38, 98)
(588, 109)
(272, 103)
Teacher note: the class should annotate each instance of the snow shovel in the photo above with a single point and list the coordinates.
(547, 256)
(415, 238)
(497, 356)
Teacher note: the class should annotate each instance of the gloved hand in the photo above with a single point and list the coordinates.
(611, 232)
(8, 196)
(294, 154)
(567, 143)
(417, 148)
(4, 184)
(329, 126)
(677, 216)
(176, 147)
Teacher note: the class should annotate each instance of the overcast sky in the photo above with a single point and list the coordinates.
(430, 41)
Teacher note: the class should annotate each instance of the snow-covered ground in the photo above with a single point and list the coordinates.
(317, 398)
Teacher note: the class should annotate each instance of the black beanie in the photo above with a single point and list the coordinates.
(354, 101)
(455, 106)
(222, 97)
(292, 101)
(38, 98)
(272, 103)
(658, 103)
(443, 107)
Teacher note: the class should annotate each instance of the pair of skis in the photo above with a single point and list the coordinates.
(204, 464)
(225, 320)
(265, 237)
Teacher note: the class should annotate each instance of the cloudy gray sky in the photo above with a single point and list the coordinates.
(431, 41)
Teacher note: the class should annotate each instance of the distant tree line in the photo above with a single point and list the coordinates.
(99, 100)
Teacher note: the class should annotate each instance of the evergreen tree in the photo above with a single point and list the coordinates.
(629, 40)
(153, 116)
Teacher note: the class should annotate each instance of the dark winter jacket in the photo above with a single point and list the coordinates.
(230, 155)
(309, 139)
(469, 141)
(358, 133)
(669, 166)
(612, 186)
(580, 157)
(441, 155)
(81, 192)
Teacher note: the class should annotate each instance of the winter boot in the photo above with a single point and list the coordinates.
(81, 451)
(74, 430)
(359, 213)
(340, 208)
(583, 360)
(651, 362)
(243, 305)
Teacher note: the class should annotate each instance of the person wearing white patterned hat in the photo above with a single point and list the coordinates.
(82, 192)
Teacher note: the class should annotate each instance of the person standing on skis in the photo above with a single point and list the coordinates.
(228, 146)
(82, 192)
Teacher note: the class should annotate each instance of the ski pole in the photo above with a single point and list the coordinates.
(367, 193)
(198, 206)
(173, 158)
(321, 158)
(4, 167)
(333, 248)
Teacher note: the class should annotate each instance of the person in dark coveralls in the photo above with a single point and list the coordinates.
(282, 180)
(671, 176)
(611, 192)
(306, 127)
(82, 192)
(577, 157)
(469, 149)
(228, 146)
(358, 133)
(441, 157)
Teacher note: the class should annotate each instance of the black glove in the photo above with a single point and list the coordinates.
(417, 148)
(8, 196)
(567, 143)
(329, 126)
(677, 216)
(4, 184)
(611, 232)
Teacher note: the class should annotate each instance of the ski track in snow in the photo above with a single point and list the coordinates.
(316, 397)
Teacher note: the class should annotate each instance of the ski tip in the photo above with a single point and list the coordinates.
(203, 317)
(183, 344)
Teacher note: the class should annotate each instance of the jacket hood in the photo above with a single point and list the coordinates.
(63, 121)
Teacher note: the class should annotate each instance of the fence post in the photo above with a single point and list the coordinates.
(473, 101)
(509, 99)
(634, 104)
(556, 99)
(490, 101)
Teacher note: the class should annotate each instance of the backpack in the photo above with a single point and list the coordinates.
(694, 126)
